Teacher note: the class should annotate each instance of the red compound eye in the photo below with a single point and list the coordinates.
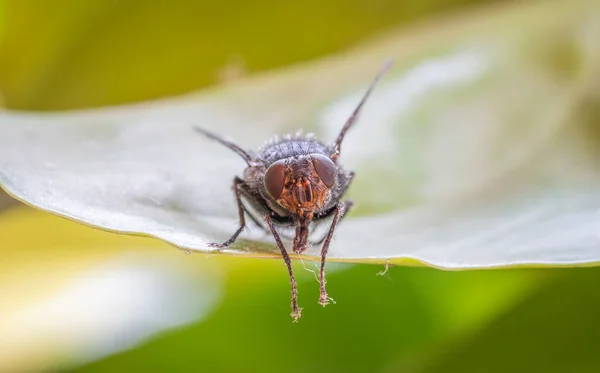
(275, 178)
(325, 168)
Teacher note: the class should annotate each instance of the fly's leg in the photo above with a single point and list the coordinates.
(340, 210)
(255, 220)
(347, 206)
(288, 262)
(236, 188)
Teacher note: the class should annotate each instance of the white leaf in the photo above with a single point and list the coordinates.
(477, 149)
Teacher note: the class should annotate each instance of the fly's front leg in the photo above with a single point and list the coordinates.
(340, 210)
(347, 206)
(255, 220)
(236, 188)
(288, 262)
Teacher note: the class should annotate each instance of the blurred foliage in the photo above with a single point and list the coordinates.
(81, 53)
(556, 329)
(409, 320)
(6, 201)
(413, 320)
(33, 264)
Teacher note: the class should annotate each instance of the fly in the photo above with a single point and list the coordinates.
(292, 182)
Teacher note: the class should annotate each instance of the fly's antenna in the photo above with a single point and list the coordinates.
(228, 143)
(338, 142)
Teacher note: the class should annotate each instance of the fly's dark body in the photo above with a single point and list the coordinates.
(294, 182)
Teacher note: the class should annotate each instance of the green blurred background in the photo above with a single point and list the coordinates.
(80, 53)
(70, 54)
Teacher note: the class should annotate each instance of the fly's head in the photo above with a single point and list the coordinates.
(301, 185)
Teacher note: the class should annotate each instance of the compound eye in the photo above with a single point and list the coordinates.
(275, 178)
(325, 168)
